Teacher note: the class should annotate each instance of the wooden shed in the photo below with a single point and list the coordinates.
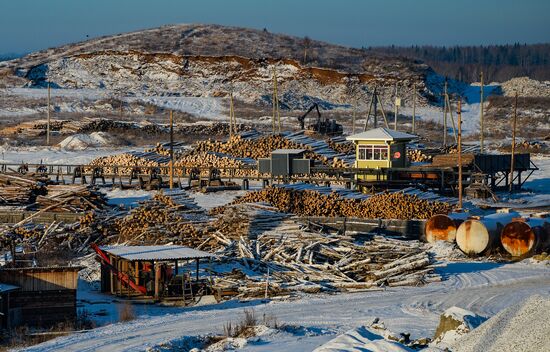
(8, 316)
(158, 272)
(46, 295)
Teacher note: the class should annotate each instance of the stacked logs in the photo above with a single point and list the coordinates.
(451, 160)
(343, 148)
(417, 156)
(311, 203)
(18, 190)
(123, 159)
(247, 148)
(223, 162)
(158, 221)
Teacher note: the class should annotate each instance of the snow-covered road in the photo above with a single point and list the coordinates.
(485, 288)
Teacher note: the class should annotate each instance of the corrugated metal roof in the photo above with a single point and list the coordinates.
(7, 288)
(288, 151)
(156, 252)
(381, 134)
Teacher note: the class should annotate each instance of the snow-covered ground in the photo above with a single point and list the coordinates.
(54, 155)
(204, 107)
(484, 288)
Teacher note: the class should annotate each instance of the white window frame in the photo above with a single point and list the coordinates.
(366, 148)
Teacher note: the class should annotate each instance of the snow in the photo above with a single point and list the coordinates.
(205, 107)
(483, 288)
(54, 155)
(522, 327)
(82, 141)
(361, 339)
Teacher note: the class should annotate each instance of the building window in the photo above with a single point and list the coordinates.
(373, 152)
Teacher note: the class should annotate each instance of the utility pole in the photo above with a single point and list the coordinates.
(276, 113)
(414, 109)
(512, 162)
(171, 150)
(353, 117)
(459, 111)
(481, 122)
(445, 116)
(375, 97)
(48, 123)
(231, 116)
(397, 103)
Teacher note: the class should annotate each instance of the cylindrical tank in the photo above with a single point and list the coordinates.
(523, 236)
(442, 227)
(479, 236)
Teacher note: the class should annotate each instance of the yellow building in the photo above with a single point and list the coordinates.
(381, 148)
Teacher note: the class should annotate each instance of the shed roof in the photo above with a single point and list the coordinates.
(156, 252)
(288, 151)
(381, 134)
(5, 288)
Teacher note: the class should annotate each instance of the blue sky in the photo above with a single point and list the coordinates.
(28, 25)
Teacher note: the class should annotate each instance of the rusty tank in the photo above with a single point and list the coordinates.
(442, 227)
(526, 236)
(477, 236)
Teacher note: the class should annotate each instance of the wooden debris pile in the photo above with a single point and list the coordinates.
(302, 260)
(73, 198)
(311, 203)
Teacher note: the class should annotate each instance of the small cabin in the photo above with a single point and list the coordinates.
(44, 295)
(153, 272)
(381, 148)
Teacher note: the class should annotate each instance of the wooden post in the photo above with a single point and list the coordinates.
(375, 97)
(171, 150)
(231, 115)
(481, 122)
(414, 109)
(396, 109)
(459, 142)
(156, 267)
(276, 114)
(48, 123)
(445, 107)
(512, 162)
(197, 274)
(137, 272)
(353, 117)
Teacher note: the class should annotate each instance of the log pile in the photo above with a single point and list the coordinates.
(216, 160)
(311, 203)
(146, 160)
(73, 198)
(417, 156)
(160, 220)
(301, 260)
(343, 147)
(451, 160)
(19, 189)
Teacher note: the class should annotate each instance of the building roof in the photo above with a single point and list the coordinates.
(155, 252)
(288, 151)
(381, 134)
(5, 288)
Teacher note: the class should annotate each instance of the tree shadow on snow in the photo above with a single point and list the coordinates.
(453, 269)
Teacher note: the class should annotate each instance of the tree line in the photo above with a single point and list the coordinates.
(498, 62)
